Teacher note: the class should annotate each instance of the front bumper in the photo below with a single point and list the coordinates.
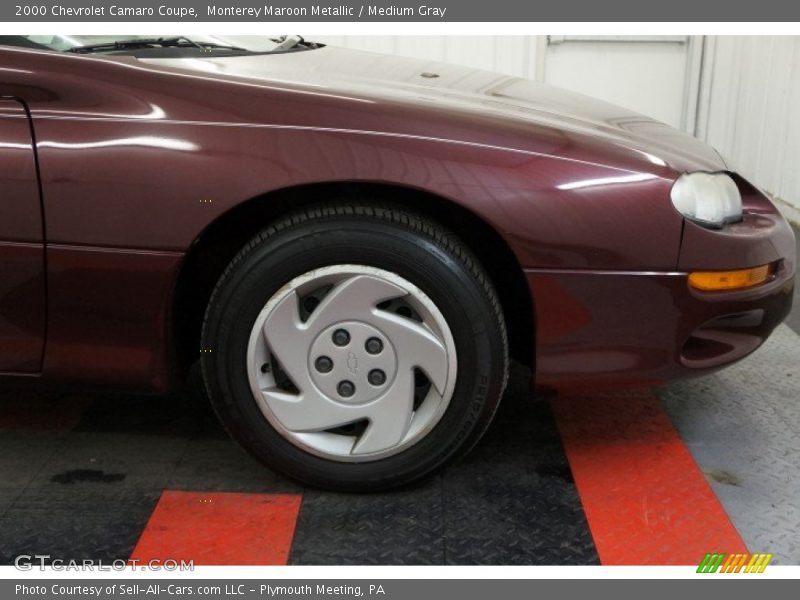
(602, 329)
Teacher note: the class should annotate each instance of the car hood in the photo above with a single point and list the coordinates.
(457, 88)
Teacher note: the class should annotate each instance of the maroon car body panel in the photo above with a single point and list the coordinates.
(22, 281)
(137, 158)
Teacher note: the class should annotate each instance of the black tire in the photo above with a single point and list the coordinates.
(389, 238)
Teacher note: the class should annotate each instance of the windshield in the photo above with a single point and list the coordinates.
(166, 45)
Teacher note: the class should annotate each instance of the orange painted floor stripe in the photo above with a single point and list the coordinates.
(220, 528)
(646, 500)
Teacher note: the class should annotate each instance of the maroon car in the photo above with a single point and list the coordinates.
(354, 245)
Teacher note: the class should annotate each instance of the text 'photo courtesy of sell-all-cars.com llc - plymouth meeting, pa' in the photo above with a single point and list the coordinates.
(354, 246)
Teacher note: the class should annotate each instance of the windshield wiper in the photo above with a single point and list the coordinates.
(212, 45)
(131, 43)
(287, 42)
(170, 42)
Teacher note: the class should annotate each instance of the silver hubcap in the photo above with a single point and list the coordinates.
(351, 363)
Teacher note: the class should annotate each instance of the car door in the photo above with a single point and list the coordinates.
(22, 252)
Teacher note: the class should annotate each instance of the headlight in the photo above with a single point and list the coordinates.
(709, 199)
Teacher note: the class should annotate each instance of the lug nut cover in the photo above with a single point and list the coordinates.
(376, 377)
(323, 364)
(373, 345)
(341, 337)
(346, 388)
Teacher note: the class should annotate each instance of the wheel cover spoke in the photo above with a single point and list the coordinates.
(352, 298)
(389, 426)
(288, 339)
(353, 385)
(418, 346)
(309, 412)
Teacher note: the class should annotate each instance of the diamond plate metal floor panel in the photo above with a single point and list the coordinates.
(512, 500)
(106, 534)
(88, 491)
(396, 528)
(742, 425)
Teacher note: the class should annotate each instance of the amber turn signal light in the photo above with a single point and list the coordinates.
(714, 281)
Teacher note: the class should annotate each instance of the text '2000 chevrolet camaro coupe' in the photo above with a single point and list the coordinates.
(354, 245)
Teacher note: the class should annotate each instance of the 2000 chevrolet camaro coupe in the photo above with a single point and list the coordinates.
(354, 245)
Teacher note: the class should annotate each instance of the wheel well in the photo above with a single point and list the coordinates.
(218, 244)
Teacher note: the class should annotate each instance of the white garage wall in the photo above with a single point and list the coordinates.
(652, 77)
(749, 87)
(750, 108)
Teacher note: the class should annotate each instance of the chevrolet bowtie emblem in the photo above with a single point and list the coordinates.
(352, 362)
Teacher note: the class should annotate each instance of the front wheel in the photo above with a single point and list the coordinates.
(355, 348)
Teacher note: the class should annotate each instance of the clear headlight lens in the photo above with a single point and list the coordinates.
(709, 199)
